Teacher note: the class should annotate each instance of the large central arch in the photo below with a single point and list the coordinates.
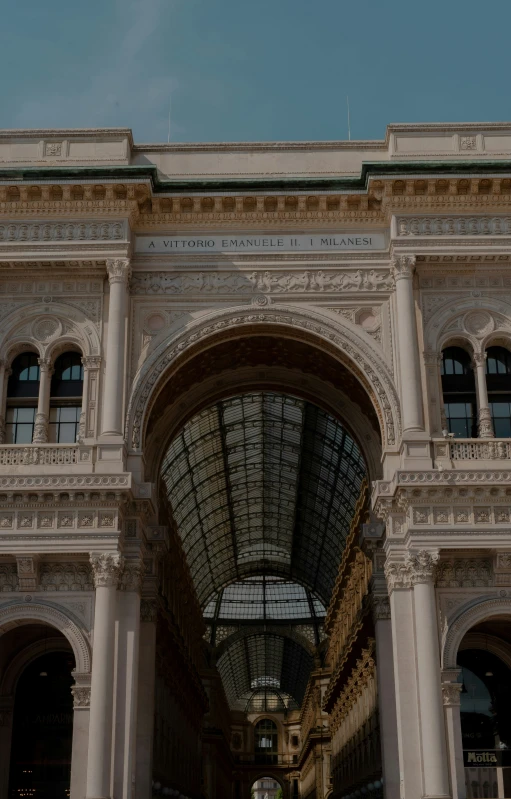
(328, 334)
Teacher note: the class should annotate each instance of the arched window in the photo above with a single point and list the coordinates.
(22, 394)
(66, 398)
(266, 741)
(459, 392)
(498, 382)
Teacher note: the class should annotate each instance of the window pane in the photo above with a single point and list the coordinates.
(64, 424)
(20, 425)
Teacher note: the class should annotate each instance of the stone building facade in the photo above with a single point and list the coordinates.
(255, 482)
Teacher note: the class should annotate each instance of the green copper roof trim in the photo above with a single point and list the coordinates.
(200, 186)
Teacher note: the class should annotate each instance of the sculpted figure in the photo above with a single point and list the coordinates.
(321, 281)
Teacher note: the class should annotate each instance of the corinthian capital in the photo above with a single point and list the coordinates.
(402, 266)
(119, 270)
(397, 576)
(106, 568)
(46, 365)
(132, 574)
(421, 566)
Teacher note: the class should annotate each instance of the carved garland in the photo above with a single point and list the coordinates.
(377, 381)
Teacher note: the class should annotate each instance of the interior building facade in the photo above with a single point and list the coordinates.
(255, 482)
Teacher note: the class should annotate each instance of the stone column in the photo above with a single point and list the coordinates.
(405, 680)
(451, 691)
(42, 416)
(146, 688)
(4, 376)
(119, 272)
(403, 267)
(386, 689)
(106, 568)
(484, 422)
(128, 637)
(81, 696)
(421, 567)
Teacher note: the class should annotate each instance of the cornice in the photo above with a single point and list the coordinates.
(159, 185)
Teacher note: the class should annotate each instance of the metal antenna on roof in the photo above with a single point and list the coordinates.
(349, 127)
(170, 108)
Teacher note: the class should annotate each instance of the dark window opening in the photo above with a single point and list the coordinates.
(266, 742)
(67, 380)
(24, 378)
(498, 382)
(459, 392)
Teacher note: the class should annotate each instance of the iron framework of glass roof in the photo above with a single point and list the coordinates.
(263, 487)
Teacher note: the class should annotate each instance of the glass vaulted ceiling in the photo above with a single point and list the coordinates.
(263, 487)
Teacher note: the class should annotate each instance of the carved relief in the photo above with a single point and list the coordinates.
(62, 231)
(265, 282)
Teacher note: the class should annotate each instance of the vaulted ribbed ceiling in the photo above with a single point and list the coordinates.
(263, 488)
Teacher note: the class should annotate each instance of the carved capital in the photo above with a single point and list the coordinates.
(402, 266)
(380, 607)
(421, 566)
(119, 270)
(432, 358)
(131, 579)
(46, 365)
(106, 568)
(148, 610)
(41, 428)
(397, 575)
(451, 692)
(91, 361)
(479, 359)
(81, 696)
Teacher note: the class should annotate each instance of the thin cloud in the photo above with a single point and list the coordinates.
(120, 93)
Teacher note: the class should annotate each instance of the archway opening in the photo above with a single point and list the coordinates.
(42, 728)
(266, 788)
(484, 659)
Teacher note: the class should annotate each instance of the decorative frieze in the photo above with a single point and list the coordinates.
(28, 572)
(453, 226)
(65, 232)
(274, 282)
(464, 573)
(8, 577)
(66, 577)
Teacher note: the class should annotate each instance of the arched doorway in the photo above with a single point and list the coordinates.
(266, 788)
(262, 448)
(484, 658)
(42, 729)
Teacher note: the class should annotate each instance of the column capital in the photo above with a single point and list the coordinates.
(451, 693)
(148, 609)
(422, 565)
(432, 358)
(46, 365)
(402, 266)
(91, 361)
(479, 359)
(81, 696)
(380, 607)
(397, 575)
(132, 574)
(106, 568)
(119, 270)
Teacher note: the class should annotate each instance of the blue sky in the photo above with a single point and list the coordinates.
(263, 70)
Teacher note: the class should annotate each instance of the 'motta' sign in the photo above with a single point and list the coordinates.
(260, 242)
(480, 758)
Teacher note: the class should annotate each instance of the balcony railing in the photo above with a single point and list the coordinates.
(44, 455)
(473, 449)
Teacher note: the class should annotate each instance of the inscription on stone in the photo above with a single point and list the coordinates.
(260, 243)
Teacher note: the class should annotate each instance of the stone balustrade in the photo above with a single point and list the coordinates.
(473, 449)
(45, 455)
